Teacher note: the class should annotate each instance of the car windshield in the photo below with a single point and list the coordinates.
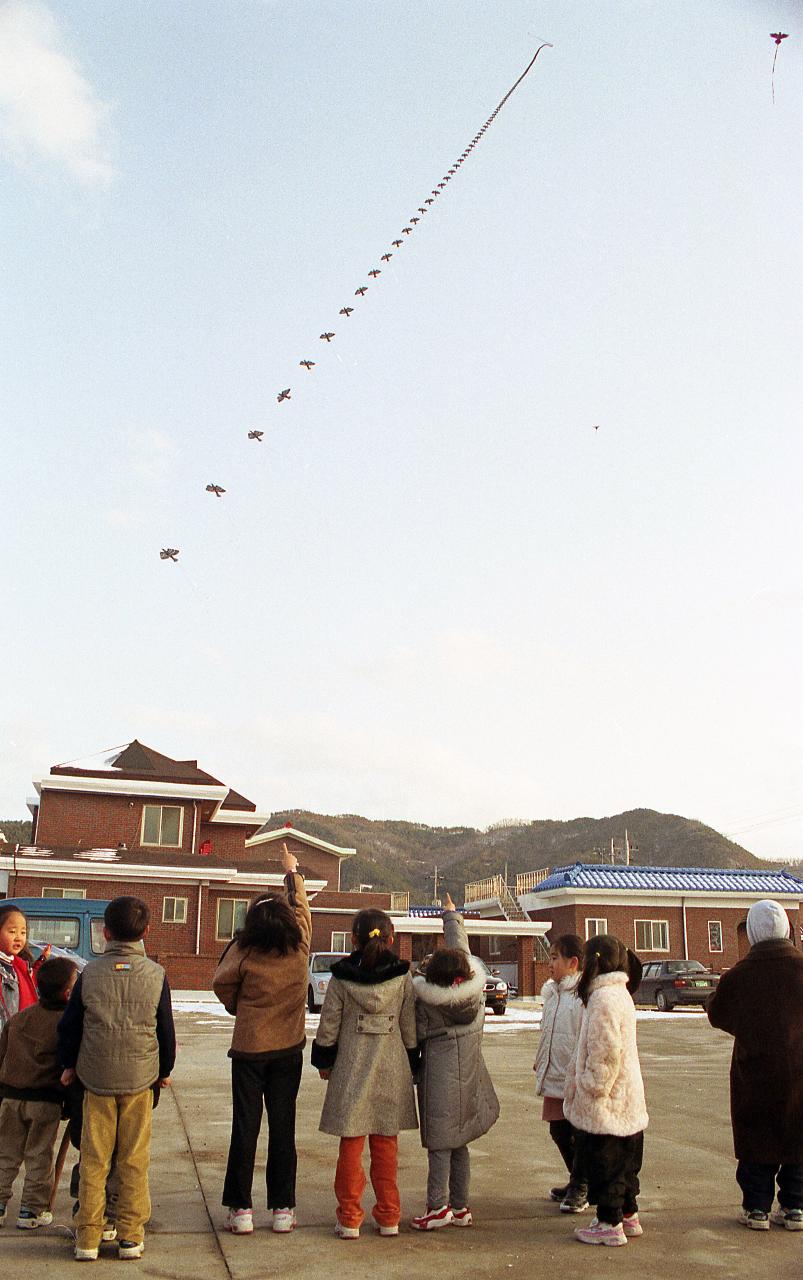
(685, 966)
(482, 966)
(323, 964)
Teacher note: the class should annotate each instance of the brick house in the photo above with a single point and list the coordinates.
(136, 821)
(679, 913)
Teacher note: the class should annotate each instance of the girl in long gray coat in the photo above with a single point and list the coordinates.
(456, 1098)
(366, 1048)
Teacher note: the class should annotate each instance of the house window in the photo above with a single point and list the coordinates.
(339, 942)
(174, 910)
(494, 945)
(652, 935)
(595, 926)
(162, 825)
(51, 891)
(231, 914)
(715, 935)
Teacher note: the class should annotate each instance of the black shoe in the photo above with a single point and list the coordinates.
(559, 1193)
(575, 1200)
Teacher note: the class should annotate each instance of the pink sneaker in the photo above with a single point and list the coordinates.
(601, 1233)
(432, 1219)
(461, 1218)
(631, 1225)
(240, 1221)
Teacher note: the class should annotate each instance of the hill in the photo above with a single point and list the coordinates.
(401, 855)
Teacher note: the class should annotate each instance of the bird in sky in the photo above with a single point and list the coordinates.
(376, 272)
(327, 337)
(309, 364)
(283, 395)
(169, 553)
(346, 311)
(361, 292)
(255, 435)
(397, 244)
(386, 257)
(216, 489)
(596, 428)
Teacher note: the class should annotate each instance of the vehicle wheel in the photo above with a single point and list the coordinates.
(499, 1009)
(662, 1003)
(310, 1000)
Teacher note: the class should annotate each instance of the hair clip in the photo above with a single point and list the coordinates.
(375, 933)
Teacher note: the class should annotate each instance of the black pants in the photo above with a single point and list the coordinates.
(757, 1182)
(276, 1082)
(612, 1166)
(564, 1136)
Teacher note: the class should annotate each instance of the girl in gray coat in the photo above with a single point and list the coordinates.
(456, 1098)
(366, 1049)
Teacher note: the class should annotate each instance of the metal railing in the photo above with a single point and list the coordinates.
(527, 880)
(483, 890)
(400, 900)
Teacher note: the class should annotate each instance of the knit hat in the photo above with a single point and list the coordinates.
(765, 920)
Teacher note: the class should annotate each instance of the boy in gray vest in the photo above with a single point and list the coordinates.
(117, 1037)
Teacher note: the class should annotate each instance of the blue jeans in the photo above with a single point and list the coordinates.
(757, 1182)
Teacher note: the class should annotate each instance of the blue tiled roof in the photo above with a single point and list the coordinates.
(437, 912)
(583, 875)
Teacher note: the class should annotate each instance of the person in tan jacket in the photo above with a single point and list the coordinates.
(262, 980)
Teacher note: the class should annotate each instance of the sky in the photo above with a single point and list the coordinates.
(433, 591)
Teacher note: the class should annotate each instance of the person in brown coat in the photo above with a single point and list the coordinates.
(760, 1003)
(262, 980)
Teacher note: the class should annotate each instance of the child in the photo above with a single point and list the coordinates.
(32, 1095)
(116, 1035)
(604, 1098)
(17, 973)
(560, 1024)
(760, 1003)
(456, 1099)
(262, 980)
(366, 1048)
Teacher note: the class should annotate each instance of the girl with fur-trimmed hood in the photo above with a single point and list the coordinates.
(456, 1099)
(604, 1095)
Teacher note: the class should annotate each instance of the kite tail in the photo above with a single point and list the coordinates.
(774, 60)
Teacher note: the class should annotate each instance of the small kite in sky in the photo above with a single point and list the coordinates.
(376, 272)
(777, 36)
(397, 244)
(283, 395)
(309, 364)
(216, 489)
(346, 311)
(255, 435)
(168, 553)
(327, 337)
(386, 257)
(361, 292)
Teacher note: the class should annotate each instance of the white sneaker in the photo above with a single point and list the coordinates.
(792, 1219)
(29, 1219)
(346, 1233)
(85, 1255)
(284, 1219)
(387, 1231)
(755, 1219)
(130, 1248)
(461, 1218)
(432, 1219)
(240, 1221)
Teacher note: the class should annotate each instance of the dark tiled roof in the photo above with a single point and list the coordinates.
(235, 801)
(138, 763)
(671, 879)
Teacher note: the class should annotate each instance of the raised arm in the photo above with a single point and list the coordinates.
(454, 931)
(296, 893)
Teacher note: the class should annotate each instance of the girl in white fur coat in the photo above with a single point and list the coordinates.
(604, 1097)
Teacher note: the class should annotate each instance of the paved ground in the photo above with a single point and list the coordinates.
(689, 1196)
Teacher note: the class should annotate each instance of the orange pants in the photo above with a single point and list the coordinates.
(350, 1180)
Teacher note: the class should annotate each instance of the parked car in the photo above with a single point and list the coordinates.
(72, 926)
(496, 989)
(320, 971)
(667, 983)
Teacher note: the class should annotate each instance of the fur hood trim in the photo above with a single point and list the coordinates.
(569, 983)
(615, 979)
(388, 966)
(430, 993)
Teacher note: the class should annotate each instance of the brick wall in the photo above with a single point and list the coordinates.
(316, 864)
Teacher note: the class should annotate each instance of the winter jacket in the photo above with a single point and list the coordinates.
(266, 991)
(29, 1065)
(17, 985)
(560, 1025)
(456, 1099)
(365, 1036)
(604, 1090)
(117, 1030)
(760, 1003)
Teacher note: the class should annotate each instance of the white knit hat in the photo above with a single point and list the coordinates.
(765, 920)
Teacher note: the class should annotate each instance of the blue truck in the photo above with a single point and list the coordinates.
(72, 926)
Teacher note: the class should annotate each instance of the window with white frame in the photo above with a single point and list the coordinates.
(174, 910)
(53, 891)
(715, 935)
(652, 935)
(494, 945)
(162, 824)
(231, 913)
(595, 925)
(339, 941)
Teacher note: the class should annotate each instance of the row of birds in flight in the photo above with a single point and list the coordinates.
(217, 490)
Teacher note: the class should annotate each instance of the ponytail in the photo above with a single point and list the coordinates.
(605, 954)
(373, 930)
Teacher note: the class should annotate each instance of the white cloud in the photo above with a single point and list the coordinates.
(48, 110)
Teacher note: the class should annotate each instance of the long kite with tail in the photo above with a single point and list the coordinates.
(777, 36)
(423, 208)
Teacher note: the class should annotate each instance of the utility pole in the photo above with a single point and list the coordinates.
(434, 878)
